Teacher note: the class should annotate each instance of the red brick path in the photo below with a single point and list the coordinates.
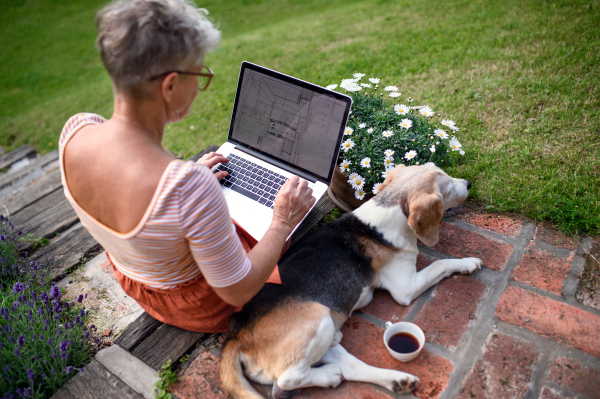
(508, 331)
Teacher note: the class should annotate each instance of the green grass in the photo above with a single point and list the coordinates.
(521, 79)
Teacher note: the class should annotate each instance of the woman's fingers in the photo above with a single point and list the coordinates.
(293, 201)
(211, 159)
(221, 175)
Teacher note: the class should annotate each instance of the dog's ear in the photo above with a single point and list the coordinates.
(391, 175)
(425, 215)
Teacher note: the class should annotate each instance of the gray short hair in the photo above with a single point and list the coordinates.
(139, 39)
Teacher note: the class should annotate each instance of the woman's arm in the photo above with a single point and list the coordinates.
(293, 201)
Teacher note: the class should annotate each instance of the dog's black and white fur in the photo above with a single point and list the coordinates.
(289, 335)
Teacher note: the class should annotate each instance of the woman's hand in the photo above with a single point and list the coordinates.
(293, 201)
(211, 159)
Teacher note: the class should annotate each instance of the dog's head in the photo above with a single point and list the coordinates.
(423, 193)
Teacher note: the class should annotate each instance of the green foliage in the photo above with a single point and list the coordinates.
(373, 116)
(167, 377)
(43, 340)
(37, 242)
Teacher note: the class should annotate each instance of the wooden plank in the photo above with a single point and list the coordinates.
(50, 215)
(203, 152)
(62, 393)
(16, 155)
(38, 163)
(29, 194)
(167, 342)
(66, 250)
(323, 207)
(137, 331)
(95, 381)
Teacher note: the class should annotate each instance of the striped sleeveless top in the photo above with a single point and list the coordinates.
(185, 232)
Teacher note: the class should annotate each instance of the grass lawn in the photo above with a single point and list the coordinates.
(520, 78)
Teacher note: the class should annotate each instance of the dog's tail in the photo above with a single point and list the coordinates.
(231, 372)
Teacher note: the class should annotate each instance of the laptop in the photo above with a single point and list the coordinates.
(280, 126)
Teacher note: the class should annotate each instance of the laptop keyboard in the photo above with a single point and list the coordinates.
(251, 180)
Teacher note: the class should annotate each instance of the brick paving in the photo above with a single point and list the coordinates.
(512, 330)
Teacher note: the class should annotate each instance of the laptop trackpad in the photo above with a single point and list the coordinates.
(255, 218)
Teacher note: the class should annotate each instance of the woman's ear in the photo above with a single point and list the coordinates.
(167, 86)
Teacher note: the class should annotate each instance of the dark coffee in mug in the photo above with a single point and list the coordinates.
(403, 342)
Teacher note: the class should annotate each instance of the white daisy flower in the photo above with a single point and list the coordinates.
(410, 155)
(390, 88)
(347, 82)
(388, 163)
(374, 80)
(455, 144)
(450, 124)
(330, 87)
(405, 124)
(389, 153)
(395, 94)
(347, 145)
(362, 125)
(359, 194)
(370, 130)
(384, 174)
(432, 148)
(429, 164)
(352, 177)
(345, 165)
(426, 111)
(358, 182)
(461, 152)
(366, 85)
(440, 133)
(401, 109)
(365, 162)
(417, 107)
(358, 75)
(353, 87)
(376, 188)
(348, 131)
(387, 133)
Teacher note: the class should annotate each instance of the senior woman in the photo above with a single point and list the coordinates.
(164, 222)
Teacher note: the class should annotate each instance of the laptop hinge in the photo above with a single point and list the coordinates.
(277, 163)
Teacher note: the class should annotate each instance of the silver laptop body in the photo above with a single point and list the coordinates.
(280, 126)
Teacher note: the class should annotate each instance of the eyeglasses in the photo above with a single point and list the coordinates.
(204, 76)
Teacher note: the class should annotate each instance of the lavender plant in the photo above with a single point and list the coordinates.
(43, 340)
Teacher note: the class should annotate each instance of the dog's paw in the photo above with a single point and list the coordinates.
(406, 384)
(279, 393)
(471, 265)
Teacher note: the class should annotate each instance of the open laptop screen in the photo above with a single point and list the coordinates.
(292, 121)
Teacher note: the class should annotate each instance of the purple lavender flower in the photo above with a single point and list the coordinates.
(2, 237)
(52, 371)
(64, 346)
(34, 296)
(53, 356)
(87, 335)
(41, 337)
(55, 292)
(21, 340)
(71, 325)
(69, 369)
(17, 353)
(49, 341)
(86, 295)
(18, 288)
(6, 368)
(19, 232)
(43, 375)
(12, 340)
(33, 337)
(30, 375)
(80, 298)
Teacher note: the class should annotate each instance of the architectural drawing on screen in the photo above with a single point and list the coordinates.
(289, 122)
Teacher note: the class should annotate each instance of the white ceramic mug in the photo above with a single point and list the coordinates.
(412, 329)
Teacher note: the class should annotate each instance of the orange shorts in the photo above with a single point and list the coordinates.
(194, 305)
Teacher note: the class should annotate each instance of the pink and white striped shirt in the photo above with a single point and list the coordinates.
(186, 230)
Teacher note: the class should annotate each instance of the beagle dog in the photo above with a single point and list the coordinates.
(289, 335)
